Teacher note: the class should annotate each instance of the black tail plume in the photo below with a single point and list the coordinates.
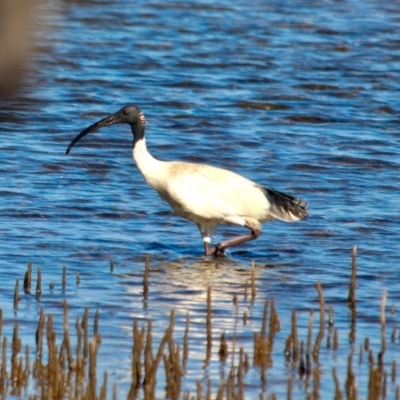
(284, 207)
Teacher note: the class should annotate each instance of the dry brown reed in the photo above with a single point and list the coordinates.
(223, 348)
(28, 279)
(146, 277)
(64, 278)
(185, 354)
(39, 283)
(320, 335)
(352, 287)
(352, 295)
(253, 281)
(16, 294)
(338, 391)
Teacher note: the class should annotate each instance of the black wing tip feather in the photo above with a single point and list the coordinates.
(301, 206)
(289, 208)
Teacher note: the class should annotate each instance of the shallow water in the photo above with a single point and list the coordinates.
(299, 97)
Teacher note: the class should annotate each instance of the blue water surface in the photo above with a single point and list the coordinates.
(300, 97)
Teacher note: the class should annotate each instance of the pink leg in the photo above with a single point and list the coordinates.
(220, 247)
(207, 249)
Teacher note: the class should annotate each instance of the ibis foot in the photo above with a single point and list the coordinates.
(219, 251)
(220, 247)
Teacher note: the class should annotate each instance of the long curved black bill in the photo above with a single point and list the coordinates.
(111, 119)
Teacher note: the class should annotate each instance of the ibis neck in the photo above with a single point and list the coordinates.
(151, 168)
(138, 132)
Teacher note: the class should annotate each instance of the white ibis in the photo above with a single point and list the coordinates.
(205, 195)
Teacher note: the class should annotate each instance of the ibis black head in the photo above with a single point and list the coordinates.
(130, 114)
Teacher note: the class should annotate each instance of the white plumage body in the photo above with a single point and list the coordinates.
(206, 195)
